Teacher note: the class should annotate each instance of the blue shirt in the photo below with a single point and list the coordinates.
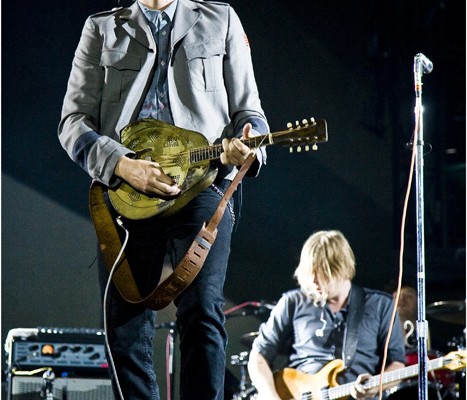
(292, 330)
(156, 104)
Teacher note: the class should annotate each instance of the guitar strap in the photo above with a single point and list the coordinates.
(354, 317)
(185, 272)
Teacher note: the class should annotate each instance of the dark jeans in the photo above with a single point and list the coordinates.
(200, 316)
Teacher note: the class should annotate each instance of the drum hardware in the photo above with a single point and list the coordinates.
(409, 391)
(451, 312)
(247, 390)
(241, 360)
(248, 338)
(456, 343)
(249, 393)
(249, 308)
(170, 355)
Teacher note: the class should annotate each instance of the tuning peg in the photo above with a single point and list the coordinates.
(307, 148)
(289, 125)
(312, 121)
(297, 123)
(299, 149)
(314, 147)
(304, 122)
(290, 149)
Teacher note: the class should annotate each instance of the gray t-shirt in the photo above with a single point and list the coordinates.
(291, 330)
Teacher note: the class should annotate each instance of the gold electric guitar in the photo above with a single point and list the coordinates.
(187, 157)
(292, 384)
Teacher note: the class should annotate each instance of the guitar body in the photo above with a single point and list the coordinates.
(292, 384)
(169, 146)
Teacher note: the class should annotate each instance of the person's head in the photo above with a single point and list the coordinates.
(326, 259)
(407, 306)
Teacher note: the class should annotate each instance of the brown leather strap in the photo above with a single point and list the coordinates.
(186, 270)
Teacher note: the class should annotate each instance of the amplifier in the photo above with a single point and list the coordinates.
(74, 357)
(69, 350)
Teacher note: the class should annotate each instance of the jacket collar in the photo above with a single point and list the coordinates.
(186, 17)
(134, 22)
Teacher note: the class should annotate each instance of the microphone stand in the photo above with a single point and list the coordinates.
(421, 65)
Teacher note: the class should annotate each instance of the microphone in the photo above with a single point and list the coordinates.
(421, 65)
(424, 61)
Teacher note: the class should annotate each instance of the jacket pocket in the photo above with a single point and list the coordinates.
(121, 70)
(204, 61)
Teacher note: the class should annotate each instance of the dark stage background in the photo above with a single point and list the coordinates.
(348, 62)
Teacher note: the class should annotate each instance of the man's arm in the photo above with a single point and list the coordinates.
(78, 130)
(244, 102)
(262, 377)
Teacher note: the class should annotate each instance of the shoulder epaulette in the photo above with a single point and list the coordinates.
(217, 3)
(108, 12)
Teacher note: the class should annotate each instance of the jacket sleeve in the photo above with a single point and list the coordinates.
(78, 130)
(244, 101)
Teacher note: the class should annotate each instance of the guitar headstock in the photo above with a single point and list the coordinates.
(455, 360)
(307, 133)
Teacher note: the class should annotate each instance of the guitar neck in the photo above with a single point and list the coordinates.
(310, 132)
(210, 153)
(388, 377)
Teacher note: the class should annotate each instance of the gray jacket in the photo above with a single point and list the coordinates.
(212, 88)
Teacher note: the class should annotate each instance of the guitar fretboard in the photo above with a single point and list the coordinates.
(388, 377)
(214, 152)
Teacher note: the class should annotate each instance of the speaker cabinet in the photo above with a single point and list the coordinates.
(29, 388)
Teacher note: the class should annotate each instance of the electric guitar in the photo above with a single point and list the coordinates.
(292, 384)
(187, 157)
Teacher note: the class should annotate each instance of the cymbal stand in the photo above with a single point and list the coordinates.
(421, 65)
(246, 388)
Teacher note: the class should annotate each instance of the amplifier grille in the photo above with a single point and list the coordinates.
(28, 388)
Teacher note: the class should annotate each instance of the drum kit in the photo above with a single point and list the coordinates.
(443, 384)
